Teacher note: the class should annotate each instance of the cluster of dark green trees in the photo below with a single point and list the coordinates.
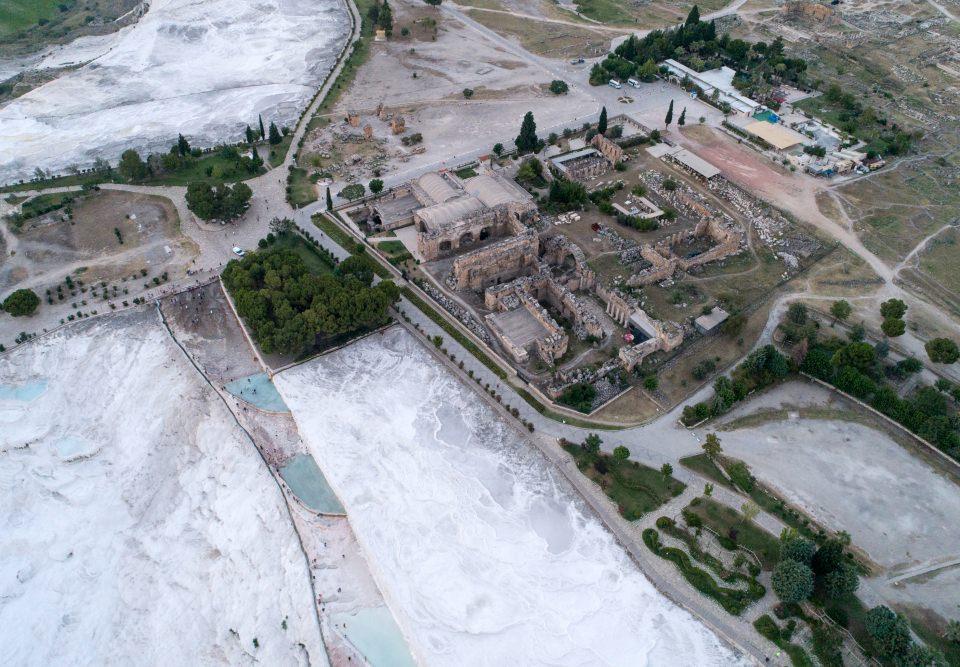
(696, 44)
(21, 302)
(291, 310)
(805, 568)
(761, 368)
(381, 16)
(231, 165)
(882, 136)
(220, 202)
(856, 367)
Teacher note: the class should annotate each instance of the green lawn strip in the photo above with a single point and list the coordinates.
(64, 182)
(767, 627)
(300, 190)
(734, 601)
(278, 152)
(317, 263)
(457, 335)
(722, 519)
(637, 489)
(16, 15)
(703, 464)
(46, 203)
(346, 241)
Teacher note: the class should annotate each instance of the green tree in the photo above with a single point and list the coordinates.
(131, 167)
(621, 454)
(526, 141)
(498, 149)
(592, 443)
(357, 266)
(385, 18)
(183, 146)
(559, 87)
(21, 302)
(841, 582)
(329, 200)
(666, 470)
(275, 137)
(376, 186)
(798, 549)
(841, 310)
(650, 383)
(263, 134)
(669, 117)
(683, 117)
(711, 446)
(942, 350)
(249, 134)
(828, 557)
(693, 18)
(281, 226)
(792, 581)
(952, 632)
(602, 123)
(353, 191)
(893, 308)
(893, 327)
(889, 631)
(648, 70)
(861, 356)
(797, 313)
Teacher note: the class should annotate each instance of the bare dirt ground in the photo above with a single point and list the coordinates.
(423, 81)
(897, 507)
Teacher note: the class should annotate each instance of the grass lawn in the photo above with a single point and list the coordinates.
(300, 190)
(46, 203)
(637, 489)
(316, 263)
(340, 237)
(703, 464)
(277, 153)
(16, 15)
(721, 519)
(466, 172)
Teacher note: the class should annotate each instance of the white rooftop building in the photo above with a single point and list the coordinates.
(719, 80)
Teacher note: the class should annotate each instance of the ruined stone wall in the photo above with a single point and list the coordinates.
(607, 148)
(501, 261)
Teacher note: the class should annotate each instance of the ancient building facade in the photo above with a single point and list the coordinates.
(458, 213)
(496, 263)
(664, 336)
(664, 262)
(607, 148)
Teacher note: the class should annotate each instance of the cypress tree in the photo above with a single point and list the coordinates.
(263, 134)
(683, 117)
(693, 18)
(275, 137)
(602, 123)
(385, 19)
(249, 134)
(183, 146)
(669, 118)
(329, 200)
(526, 141)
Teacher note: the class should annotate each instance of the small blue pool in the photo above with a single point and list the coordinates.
(306, 480)
(768, 116)
(259, 391)
(22, 392)
(376, 635)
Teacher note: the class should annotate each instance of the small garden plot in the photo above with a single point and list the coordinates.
(637, 489)
(734, 529)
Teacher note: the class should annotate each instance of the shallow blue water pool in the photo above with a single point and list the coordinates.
(304, 477)
(376, 635)
(259, 391)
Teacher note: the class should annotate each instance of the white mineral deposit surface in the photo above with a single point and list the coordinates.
(483, 552)
(137, 523)
(204, 69)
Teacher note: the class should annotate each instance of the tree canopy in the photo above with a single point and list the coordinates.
(288, 308)
(21, 302)
(222, 202)
(527, 141)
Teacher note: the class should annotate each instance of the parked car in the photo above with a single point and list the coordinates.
(615, 84)
(239, 252)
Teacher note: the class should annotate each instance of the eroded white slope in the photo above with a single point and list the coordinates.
(484, 555)
(137, 525)
(204, 69)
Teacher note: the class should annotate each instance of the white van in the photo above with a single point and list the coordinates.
(633, 82)
(615, 84)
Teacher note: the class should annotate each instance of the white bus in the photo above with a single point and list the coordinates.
(615, 84)
(633, 82)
